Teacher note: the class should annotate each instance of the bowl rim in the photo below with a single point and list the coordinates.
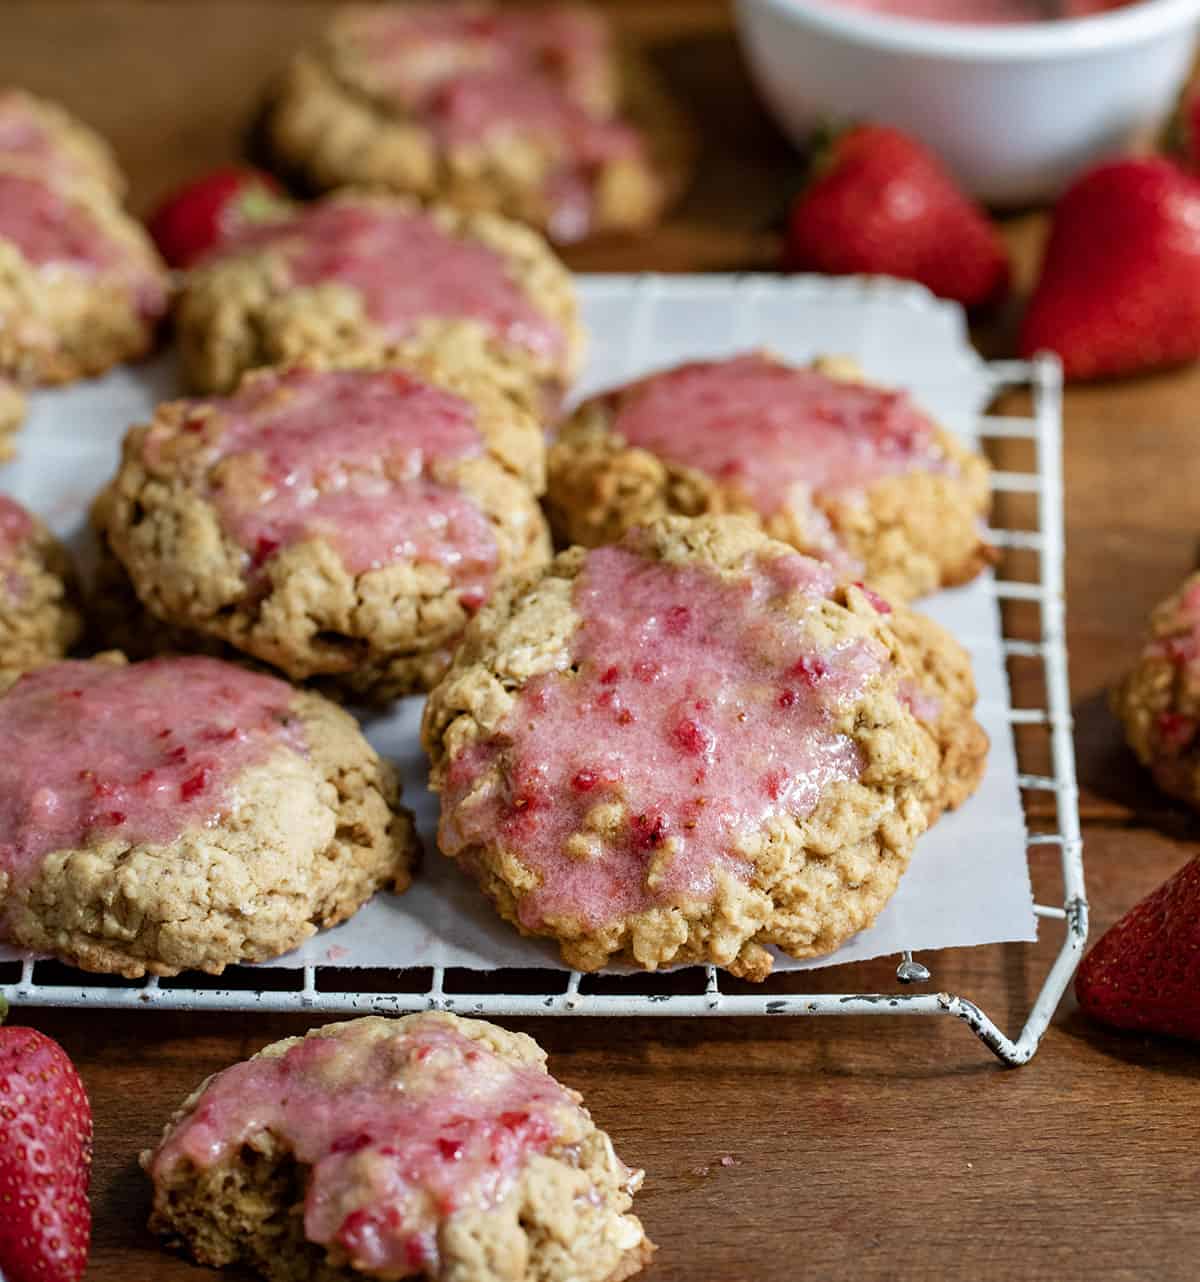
(1129, 25)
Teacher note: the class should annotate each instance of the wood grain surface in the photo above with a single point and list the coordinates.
(861, 1149)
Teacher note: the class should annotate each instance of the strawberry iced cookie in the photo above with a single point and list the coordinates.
(424, 1147)
(43, 139)
(515, 110)
(681, 748)
(851, 473)
(39, 615)
(185, 814)
(358, 279)
(81, 287)
(334, 523)
(1159, 699)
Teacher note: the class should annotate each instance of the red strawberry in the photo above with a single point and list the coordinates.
(1144, 974)
(882, 204)
(45, 1161)
(1120, 284)
(212, 210)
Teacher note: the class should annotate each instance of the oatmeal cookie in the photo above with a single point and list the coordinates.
(841, 470)
(526, 112)
(81, 287)
(42, 138)
(359, 279)
(1158, 700)
(185, 814)
(940, 690)
(12, 415)
(333, 523)
(681, 748)
(39, 612)
(428, 1146)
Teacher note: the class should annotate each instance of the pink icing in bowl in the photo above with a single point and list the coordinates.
(134, 753)
(696, 704)
(401, 1133)
(984, 12)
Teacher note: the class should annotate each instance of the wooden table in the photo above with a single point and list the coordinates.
(861, 1149)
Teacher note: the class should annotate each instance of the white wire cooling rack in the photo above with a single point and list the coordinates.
(330, 988)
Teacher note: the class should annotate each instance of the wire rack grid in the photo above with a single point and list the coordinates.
(333, 989)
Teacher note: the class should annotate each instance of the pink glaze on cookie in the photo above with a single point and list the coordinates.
(778, 434)
(412, 51)
(16, 526)
(477, 76)
(54, 233)
(697, 703)
(134, 753)
(354, 456)
(25, 138)
(407, 270)
(400, 1133)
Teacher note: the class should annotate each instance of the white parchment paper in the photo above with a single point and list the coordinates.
(968, 882)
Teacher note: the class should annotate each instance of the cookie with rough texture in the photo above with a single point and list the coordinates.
(358, 279)
(333, 523)
(12, 415)
(39, 612)
(81, 287)
(527, 112)
(851, 473)
(940, 690)
(428, 1146)
(185, 814)
(682, 748)
(1158, 700)
(42, 138)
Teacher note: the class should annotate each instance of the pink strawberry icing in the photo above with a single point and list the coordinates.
(16, 526)
(779, 434)
(697, 703)
(987, 12)
(407, 269)
(473, 74)
(25, 137)
(401, 1133)
(135, 753)
(55, 233)
(354, 456)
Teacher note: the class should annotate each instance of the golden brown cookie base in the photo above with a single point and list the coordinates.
(567, 1220)
(374, 635)
(40, 618)
(1158, 700)
(912, 533)
(814, 882)
(312, 839)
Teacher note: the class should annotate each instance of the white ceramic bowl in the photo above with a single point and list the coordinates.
(1016, 111)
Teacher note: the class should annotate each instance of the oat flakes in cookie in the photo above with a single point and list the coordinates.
(1158, 700)
(682, 748)
(852, 473)
(185, 814)
(358, 279)
(343, 524)
(524, 111)
(39, 610)
(425, 1147)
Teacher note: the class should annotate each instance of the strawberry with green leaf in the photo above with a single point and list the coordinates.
(214, 210)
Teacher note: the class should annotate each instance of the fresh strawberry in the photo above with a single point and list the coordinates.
(1120, 284)
(45, 1161)
(213, 210)
(880, 203)
(1144, 974)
